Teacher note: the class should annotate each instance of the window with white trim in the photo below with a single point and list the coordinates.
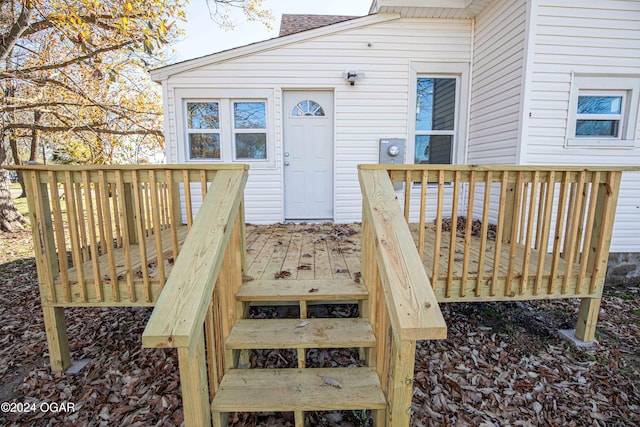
(227, 130)
(603, 111)
(203, 130)
(250, 130)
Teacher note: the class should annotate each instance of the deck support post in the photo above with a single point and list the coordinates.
(400, 394)
(587, 319)
(57, 340)
(194, 385)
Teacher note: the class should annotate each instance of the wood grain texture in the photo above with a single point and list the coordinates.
(413, 309)
(181, 308)
(298, 390)
(286, 333)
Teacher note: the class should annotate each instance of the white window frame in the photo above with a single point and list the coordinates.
(600, 85)
(440, 70)
(225, 99)
(190, 131)
(234, 131)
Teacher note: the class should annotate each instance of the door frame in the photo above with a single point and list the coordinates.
(281, 151)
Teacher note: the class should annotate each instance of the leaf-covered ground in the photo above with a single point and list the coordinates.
(501, 365)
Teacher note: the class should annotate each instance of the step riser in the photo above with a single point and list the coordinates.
(285, 333)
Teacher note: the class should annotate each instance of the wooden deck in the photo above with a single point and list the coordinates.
(303, 251)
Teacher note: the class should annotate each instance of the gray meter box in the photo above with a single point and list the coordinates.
(392, 150)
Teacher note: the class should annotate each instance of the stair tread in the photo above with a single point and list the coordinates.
(285, 333)
(255, 390)
(302, 290)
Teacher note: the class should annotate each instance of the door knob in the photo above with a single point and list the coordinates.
(286, 163)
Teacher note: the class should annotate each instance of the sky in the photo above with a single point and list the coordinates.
(203, 36)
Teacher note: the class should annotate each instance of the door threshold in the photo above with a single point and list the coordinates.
(309, 221)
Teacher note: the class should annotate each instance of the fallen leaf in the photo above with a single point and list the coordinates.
(282, 274)
(302, 324)
(304, 267)
(312, 290)
(332, 382)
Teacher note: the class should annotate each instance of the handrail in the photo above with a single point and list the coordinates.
(179, 314)
(403, 307)
(197, 309)
(412, 305)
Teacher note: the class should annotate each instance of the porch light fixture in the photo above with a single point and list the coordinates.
(351, 76)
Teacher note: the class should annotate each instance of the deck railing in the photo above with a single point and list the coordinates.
(197, 308)
(402, 307)
(108, 235)
(510, 232)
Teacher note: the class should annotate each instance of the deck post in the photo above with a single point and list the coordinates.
(57, 339)
(194, 385)
(598, 254)
(587, 319)
(47, 265)
(403, 355)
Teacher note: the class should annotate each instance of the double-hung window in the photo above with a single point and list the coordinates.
(203, 130)
(603, 111)
(227, 130)
(435, 124)
(250, 130)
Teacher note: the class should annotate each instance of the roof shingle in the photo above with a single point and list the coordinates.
(291, 24)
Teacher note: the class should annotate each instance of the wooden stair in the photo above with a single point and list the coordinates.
(298, 389)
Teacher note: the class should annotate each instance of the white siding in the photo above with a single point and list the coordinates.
(599, 37)
(498, 64)
(376, 107)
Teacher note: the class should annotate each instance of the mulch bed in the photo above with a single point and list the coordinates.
(502, 364)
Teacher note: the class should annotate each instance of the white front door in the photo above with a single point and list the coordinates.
(308, 155)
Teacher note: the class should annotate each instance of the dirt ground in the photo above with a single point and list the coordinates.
(502, 364)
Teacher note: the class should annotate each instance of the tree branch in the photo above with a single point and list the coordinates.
(17, 30)
(72, 61)
(94, 127)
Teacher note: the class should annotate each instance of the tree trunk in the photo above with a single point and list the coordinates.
(13, 143)
(10, 219)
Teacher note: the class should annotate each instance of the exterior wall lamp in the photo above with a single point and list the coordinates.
(351, 76)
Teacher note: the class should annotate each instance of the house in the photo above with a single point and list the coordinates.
(460, 81)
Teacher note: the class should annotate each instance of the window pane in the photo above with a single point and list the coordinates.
(424, 105)
(204, 145)
(307, 108)
(597, 128)
(251, 146)
(599, 104)
(249, 115)
(203, 115)
(433, 149)
(435, 104)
